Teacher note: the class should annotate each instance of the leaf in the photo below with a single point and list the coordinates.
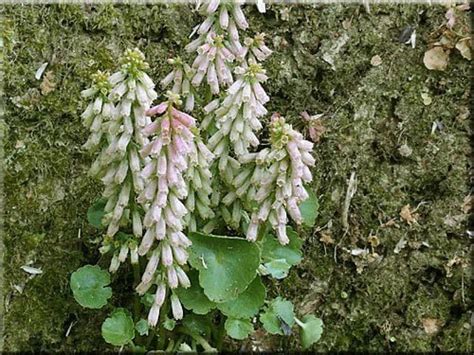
(193, 297)
(436, 59)
(238, 328)
(96, 212)
(277, 268)
(291, 253)
(118, 329)
(88, 285)
(463, 47)
(309, 209)
(247, 303)
(226, 265)
(197, 324)
(278, 316)
(311, 330)
(142, 327)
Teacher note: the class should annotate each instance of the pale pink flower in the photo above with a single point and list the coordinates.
(281, 190)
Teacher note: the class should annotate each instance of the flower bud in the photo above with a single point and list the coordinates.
(153, 315)
(182, 277)
(176, 307)
(123, 253)
(160, 294)
(172, 277)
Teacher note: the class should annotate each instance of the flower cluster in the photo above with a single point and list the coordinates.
(98, 110)
(217, 46)
(255, 48)
(222, 17)
(130, 92)
(181, 76)
(281, 190)
(236, 117)
(167, 157)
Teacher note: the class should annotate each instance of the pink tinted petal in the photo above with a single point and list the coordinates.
(157, 110)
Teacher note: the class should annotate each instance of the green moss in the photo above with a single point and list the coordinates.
(371, 111)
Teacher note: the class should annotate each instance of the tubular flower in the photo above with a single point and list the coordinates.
(236, 117)
(162, 199)
(181, 77)
(281, 189)
(118, 164)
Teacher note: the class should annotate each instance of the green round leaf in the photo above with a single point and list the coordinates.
(277, 268)
(118, 329)
(247, 304)
(193, 297)
(278, 316)
(309, 209)
(238, 328)
(273, 250)
(226, 265)
(96, 212)
(142, 327)
(88, 285)
(311, 330)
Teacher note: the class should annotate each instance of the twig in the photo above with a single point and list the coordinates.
(351, 190)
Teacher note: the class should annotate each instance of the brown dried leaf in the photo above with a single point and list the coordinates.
(468, 203)
(463, 47)
(436, 59)
(326, 238)
(431, 325)
(48, 84)
(407, 215)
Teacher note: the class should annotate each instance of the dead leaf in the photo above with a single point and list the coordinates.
(407, 215)
(48, 84)
(400, 245)
(468, 203)
(431, 325)
(390, 223)
(436, 59)
(463, 47)
(326, 238)
(315, 125)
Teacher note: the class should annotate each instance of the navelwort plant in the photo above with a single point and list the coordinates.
(171, 179)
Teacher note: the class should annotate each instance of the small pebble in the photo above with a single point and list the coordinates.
(376, 61)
